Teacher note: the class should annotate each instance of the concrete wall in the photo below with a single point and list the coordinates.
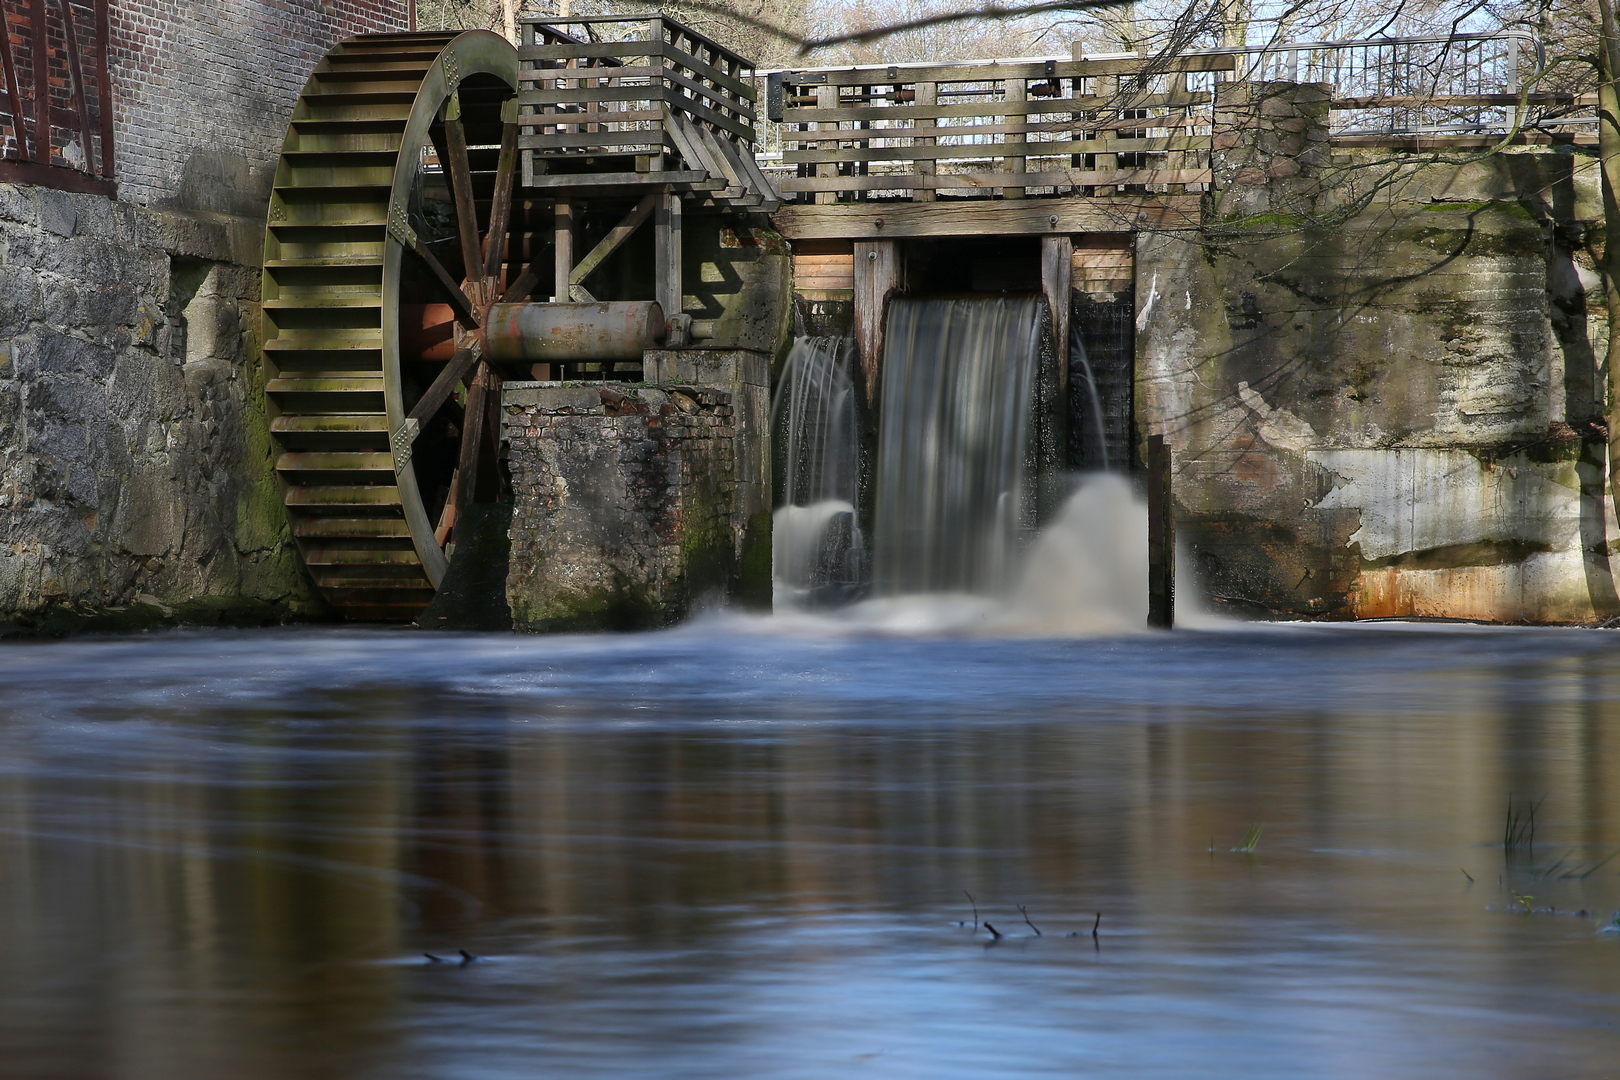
(137, 484)
(1379, 378)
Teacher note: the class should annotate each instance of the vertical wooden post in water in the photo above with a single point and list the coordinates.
(877, 276)
(1161, 536)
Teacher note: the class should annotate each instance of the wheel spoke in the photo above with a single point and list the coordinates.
(466, 312)
(472, 440)
(500, 211)
(442, 386)
(455, 137)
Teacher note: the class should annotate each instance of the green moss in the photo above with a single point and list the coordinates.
(755, 582)
(1512, 209)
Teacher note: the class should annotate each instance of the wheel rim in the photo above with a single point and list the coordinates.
(364, 499)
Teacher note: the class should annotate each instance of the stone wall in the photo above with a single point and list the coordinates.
(135, 464)
(623, 504)
(1378, 376)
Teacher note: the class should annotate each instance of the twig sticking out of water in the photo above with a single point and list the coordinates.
(1467, 875)
(1031, 925)
(433, 959)
(467, 957)
(1251, 837)
(993, 931)
(1095, 925)
(975, 904)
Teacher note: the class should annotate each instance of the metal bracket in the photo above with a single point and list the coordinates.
(452, 71)
(402, 440)
(398, 228)
(580, 295)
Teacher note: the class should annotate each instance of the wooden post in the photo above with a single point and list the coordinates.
(827, 98)
(877, 276)
(1016, 93)
(925, 98)
(563, 252)
(1161, 536)
(1057, 272)
(667, 289)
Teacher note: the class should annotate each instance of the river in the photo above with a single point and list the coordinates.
(745, 848)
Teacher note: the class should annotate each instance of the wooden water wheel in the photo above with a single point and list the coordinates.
(386, 245)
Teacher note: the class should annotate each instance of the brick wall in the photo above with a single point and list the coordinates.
(202, 91)
(623, 502)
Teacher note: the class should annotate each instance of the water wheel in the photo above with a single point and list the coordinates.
(387, 243)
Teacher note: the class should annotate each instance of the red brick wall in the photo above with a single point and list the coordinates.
(202, 90)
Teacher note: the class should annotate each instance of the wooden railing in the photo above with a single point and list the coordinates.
(604, 85)
(1017, 129)
(55, 100)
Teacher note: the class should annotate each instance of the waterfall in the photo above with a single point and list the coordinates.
(818, 551)
(951, 505)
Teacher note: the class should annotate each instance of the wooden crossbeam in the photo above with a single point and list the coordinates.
(609, 244)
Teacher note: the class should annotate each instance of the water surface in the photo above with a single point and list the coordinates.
(735, 851)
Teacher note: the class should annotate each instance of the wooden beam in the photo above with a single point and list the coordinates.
(668, 289)
(562, 250)
(1057, 271)
(994, 72)
(877, 276)
(500, 210)
(615, 237)
(461, 186)
(1161, 536)
(984, 217)
(988, 181)
(466, 312)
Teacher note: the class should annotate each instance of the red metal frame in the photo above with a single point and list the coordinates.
(55, 99)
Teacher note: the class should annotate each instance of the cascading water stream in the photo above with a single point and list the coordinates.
(819, 553)
(952, 505)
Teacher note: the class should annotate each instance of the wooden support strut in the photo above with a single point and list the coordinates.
(1161, 535)
(607, 246)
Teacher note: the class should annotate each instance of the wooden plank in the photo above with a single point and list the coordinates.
(588, 87)
(992, 150)
(472, 440)
(564, 228)
(995, 72)
(1035, 107)
(573, 181)
(708, 71)
(877, 276)
(591, 140)
(1069, 122)
(987, 180)
(801, 221)
(76, 71)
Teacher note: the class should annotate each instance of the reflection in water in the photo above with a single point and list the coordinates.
(723, 851)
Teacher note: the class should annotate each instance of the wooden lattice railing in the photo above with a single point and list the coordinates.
(637, 100)
(1092, 127)
(55, 100)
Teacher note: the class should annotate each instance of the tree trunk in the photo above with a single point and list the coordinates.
(1609, 165)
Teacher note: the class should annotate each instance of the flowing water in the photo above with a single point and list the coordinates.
(953, 441)
(743, 848)
(817, 548)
